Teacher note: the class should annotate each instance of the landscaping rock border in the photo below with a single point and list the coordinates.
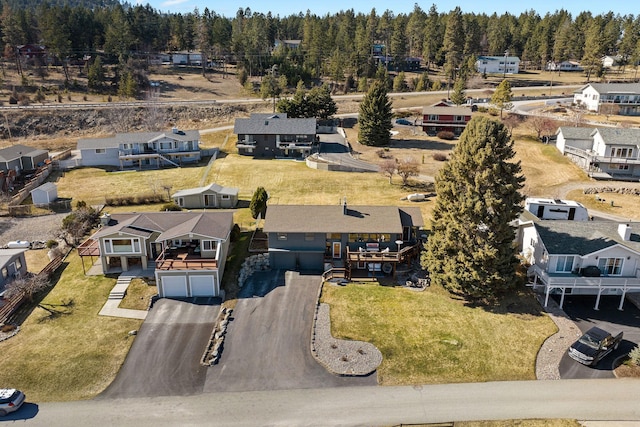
(213, 351)
(259, 262)
(619, 190)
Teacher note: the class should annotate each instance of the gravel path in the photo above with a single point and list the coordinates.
(31, 229)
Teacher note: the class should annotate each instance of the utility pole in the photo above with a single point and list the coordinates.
(506, 53)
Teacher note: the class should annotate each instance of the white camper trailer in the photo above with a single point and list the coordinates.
(557, 209)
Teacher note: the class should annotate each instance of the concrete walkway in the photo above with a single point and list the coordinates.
(111, 307)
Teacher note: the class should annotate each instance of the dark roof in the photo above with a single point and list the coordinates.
(335, 219)
(16, 151)
(274, 125)
(584, 237)
(170, 224)
(140, 137)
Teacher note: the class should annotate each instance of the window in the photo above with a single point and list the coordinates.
(166, 145)
(459, 118)
(181, 201)
(209, 245)
(225, 197)
(432, 117)
(18, 264)
(309, 236)
(115, 246)
(620, 167)
(100, 151)
(127, 146)
(610, 266)
(622, 152)
(282, 236)
(564, 264)
(5, 272)
(334, 236)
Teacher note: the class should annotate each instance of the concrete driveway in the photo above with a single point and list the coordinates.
(164, 359)
(580, 310)
(267, 346)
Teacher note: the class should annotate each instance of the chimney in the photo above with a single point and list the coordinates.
(174, 130)
(104, 219)
(624, 230)
(344, 205)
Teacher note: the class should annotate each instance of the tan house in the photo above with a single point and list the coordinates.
(209, 196)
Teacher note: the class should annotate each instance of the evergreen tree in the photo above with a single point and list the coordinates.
(453, 43)
(375, 117)
(95, 75)
(501, 98)
(127, 86)
(399, 84)
(458, 96)
(470, 250)
(258, 204)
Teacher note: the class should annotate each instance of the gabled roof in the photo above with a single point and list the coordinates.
(215, 225)
(47, 186)
(498, 58)
(584, 237)
(14, 152)
(140, 137)
(613, 88)
(443, 109)
(619, 136)
(214, 188)
(335, 219)
(575, 133)
(7, 254)
(274, 125)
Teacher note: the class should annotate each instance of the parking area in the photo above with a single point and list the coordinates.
(267, 346)
(581, 310)
(164, 359)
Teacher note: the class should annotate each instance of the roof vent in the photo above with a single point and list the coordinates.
(104, 219)
(175, 130)
(266, 122)
(344, 205)
(624, 230)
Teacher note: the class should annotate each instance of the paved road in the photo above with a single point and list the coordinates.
(334, 149)
(615, 400)
(267, 346)
(164, 359)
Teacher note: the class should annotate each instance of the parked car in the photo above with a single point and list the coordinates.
(404, 122)
(10, 400)
(593, 346)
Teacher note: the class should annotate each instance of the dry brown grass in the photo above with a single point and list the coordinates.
(624, 205)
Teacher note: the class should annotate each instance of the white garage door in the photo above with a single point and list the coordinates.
(202, 286)
(174, 286)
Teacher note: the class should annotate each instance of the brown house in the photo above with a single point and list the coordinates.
(441, 117)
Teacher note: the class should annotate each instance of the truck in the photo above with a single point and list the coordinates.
(594, 346)
(556, 209)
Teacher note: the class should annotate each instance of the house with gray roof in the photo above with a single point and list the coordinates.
(443, 117)
(365, 239)
(610, 98)
(142, 150)
(209, 196)
(20, 157)
(582, 257)
(604, 153)
(13, 264)
(186, 250)
(275, 136)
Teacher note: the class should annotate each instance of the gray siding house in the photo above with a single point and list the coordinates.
(210, 196)
(275, 136)
(12, 265)
(21, 157)
(367, 238)
(187, 249)
(142, 150)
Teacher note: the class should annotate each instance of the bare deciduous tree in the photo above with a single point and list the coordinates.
(388, 168)
(544, 126)
(407, 168)
(27, 285)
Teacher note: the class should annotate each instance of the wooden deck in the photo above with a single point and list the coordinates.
(185, 261)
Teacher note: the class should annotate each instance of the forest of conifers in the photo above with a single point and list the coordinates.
(342, 41)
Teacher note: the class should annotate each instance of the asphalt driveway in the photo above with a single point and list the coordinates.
(164, 359)
(580, 310)
(267, 346)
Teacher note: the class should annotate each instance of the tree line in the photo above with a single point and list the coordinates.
(338, 46)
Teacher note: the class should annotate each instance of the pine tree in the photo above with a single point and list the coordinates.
(458, 96)
(96, 75)
(375, 117)
(258, 204)
(470, 250)
(501, 98)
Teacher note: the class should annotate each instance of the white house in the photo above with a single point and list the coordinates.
(44, 194)
(209, 196)
(609, 61)
(619, 98)
(582, 257)
(564, 66)
(496, 64)
(604, 153)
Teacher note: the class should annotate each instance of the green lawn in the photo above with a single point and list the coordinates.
(430, 337)
(73, 353)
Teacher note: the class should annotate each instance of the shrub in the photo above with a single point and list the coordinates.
(7, 328)
(383, 153)
(493, 112)
(51, 244)
(634, 355)
(439, 157)
(445, 134)
(171, 207)
(235, 233)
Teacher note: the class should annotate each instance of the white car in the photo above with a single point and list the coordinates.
(10, 400)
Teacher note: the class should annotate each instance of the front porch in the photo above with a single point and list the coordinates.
(568, 283)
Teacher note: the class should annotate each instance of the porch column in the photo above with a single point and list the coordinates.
(598, 299)
(144, 262)
(624, 293)
(124, 264)
(104, 261)
(546, 298)
(562, 298)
